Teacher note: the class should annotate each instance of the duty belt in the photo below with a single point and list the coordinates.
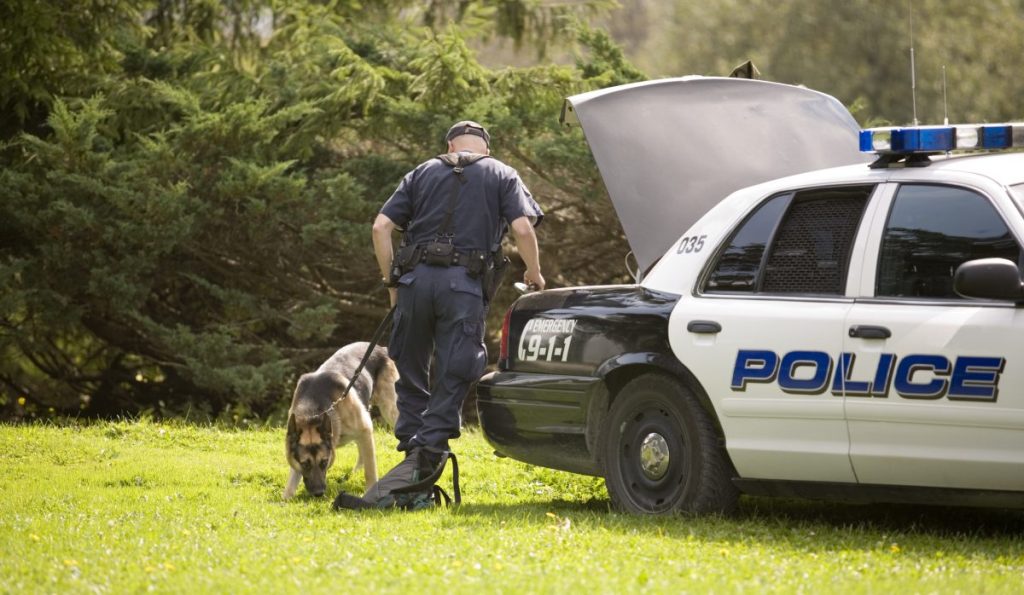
(470, 260)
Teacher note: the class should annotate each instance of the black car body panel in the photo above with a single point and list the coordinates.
(540, 406)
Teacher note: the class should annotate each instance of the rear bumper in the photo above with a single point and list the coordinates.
(539, 419)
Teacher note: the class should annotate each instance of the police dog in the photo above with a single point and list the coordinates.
(322, 418)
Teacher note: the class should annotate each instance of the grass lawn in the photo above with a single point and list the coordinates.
(128, 507)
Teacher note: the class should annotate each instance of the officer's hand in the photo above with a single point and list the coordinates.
(534, 279)
(393, 294)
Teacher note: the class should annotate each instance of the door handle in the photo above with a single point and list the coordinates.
(868, 331)
(704, 327)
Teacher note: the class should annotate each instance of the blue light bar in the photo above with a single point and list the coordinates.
(923, 139)
(940, 139)
(996, 137)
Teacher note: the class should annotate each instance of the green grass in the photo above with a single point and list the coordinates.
(129, 507)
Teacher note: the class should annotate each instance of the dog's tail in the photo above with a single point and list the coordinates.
(385, 374)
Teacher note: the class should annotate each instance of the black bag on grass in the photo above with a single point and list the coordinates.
(411, 485)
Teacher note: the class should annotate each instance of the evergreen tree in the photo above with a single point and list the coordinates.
(188, 228)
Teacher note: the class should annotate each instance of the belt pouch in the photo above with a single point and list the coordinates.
(406, 260)
(439, 254)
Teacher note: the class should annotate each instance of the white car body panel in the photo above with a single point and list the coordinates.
(891, 441)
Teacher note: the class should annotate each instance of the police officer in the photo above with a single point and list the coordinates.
(454, 210)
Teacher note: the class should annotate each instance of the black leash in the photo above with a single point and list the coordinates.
(374, 340)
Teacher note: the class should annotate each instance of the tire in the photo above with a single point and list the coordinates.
(661, 454)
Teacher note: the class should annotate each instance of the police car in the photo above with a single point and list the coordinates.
(826, 312)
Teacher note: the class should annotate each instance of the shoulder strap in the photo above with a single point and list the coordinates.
(458, 163)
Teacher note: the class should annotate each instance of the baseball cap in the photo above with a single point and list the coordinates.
(468, 127)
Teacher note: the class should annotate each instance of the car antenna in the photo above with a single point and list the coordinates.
(945, 110)
(913, 74)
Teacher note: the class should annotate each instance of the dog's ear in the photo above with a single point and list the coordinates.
(293, 430)
(326, 429)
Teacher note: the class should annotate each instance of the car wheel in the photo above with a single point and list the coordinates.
(660, 451)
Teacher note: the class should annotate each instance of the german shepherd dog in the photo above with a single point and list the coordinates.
(322, 418)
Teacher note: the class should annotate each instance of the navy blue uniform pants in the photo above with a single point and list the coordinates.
(440, 311)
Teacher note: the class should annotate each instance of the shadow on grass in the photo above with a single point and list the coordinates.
(756, 516)
(799, 524)
(939, 521)
(776, 513)
(760, 524)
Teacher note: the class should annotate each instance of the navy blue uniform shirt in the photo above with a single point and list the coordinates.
(491, 198)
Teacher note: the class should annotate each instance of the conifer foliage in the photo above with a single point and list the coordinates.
(186, 189)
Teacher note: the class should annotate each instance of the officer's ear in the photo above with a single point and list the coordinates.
(451, 147)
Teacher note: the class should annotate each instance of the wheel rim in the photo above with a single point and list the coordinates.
(652, 458)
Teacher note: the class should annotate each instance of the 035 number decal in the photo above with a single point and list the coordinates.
(691, 244)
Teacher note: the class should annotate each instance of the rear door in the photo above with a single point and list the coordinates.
(934, 383)
(763, 333)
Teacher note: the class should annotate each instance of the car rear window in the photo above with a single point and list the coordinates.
(794, 243)
(739, 265)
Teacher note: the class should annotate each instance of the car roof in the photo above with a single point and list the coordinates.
(1006, 169)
